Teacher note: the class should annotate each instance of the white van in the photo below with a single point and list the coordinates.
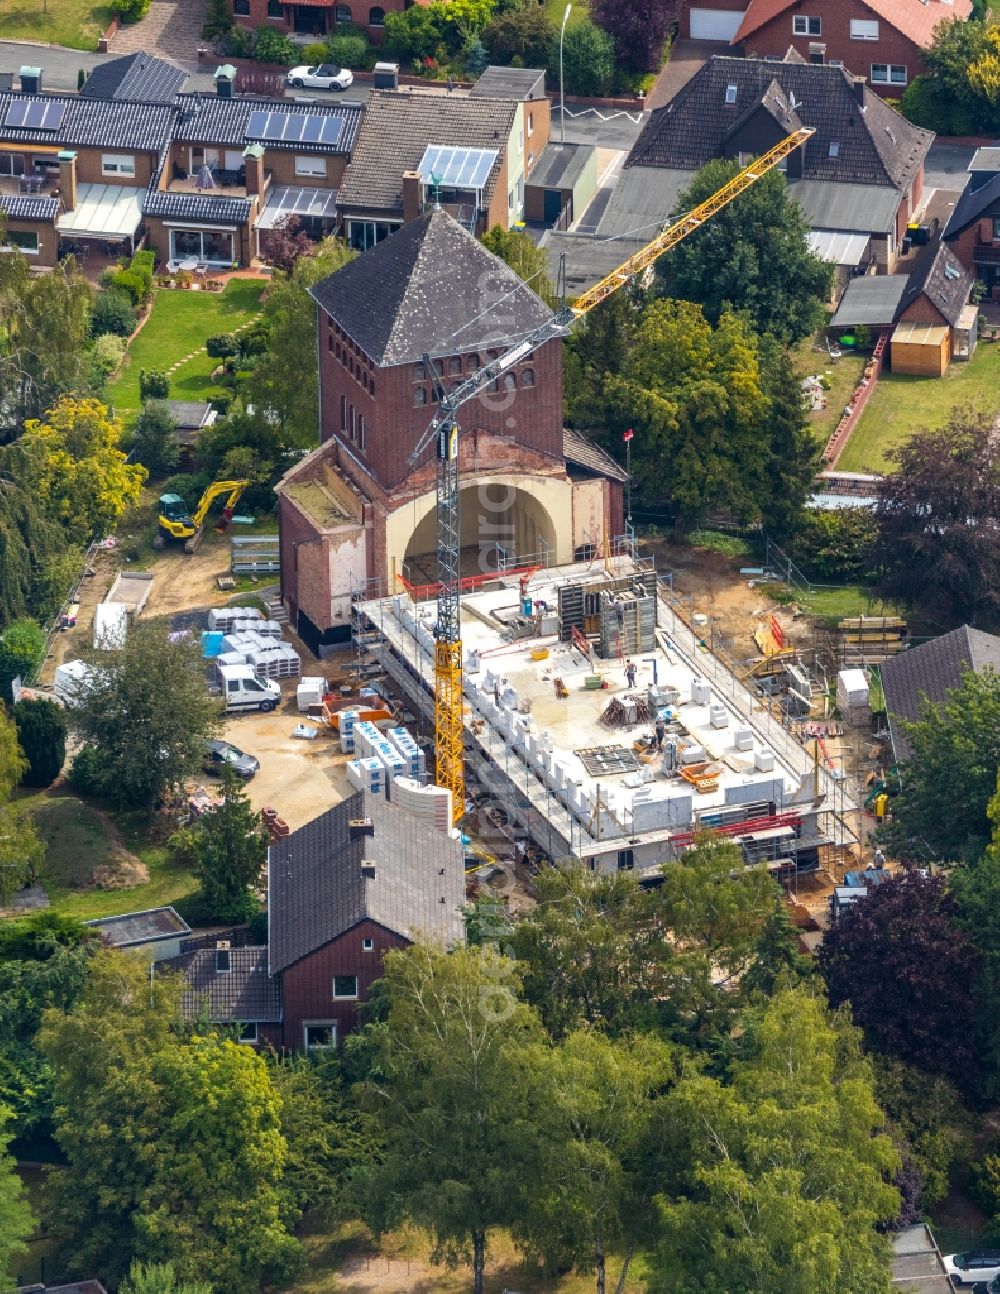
(244, 689)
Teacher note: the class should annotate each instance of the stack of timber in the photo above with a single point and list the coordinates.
(871, 639)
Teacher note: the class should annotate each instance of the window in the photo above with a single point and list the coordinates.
(376, 16)
(888, 74)
(531, 124)
(310, 165)
(362, 234)
(222, 966)
(111, 164)
(455, 365)
(996, 228)
(248, 1031)
(354, 423)
(626, 860)
(419, 372)
(509, 382)
(730, 94)
(345, 986)
(419, 397)
(472, 361)
(834, 150)
(528, 377)
(11, 163)
(241, 8)
(864, 29)
(361, 431)
(208, 245)
(344, 13)
(275, 9)
(803, 26)
(343, 413)
(319, 1034)
(22, 240)
(368, 945)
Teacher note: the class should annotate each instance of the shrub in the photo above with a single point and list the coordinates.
(188, 485)
(239, 42)
(218, 19)
(88, 772)
(274, 47)
(347, 51)
(112, 312)
(314, 53)
(153, 384)
(108, 352)
(22, 650)
(154, 439)
(143, 264)
(835, 546)
(222, 345)
(131, 10)
(588, 60)
(41, 734)
(718, 542)
(220, 399)
(129, 284)
(524, 34)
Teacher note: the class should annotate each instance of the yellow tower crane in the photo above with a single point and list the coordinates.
(444, 432)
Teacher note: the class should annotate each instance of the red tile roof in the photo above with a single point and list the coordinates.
(914, 18)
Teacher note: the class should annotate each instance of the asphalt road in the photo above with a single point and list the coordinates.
(947, 166)
(61, 67)
(605, 127)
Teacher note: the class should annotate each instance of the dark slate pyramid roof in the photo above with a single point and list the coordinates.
(430, 288)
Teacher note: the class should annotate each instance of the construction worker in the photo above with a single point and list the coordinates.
(630, 673)
(879, 860)
(661, 731)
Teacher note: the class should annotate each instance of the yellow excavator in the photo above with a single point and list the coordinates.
(176, 523)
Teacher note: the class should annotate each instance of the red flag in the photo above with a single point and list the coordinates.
(629, 434)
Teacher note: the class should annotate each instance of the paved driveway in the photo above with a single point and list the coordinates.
(171, 29)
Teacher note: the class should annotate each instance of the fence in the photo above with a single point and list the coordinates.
(862, 394)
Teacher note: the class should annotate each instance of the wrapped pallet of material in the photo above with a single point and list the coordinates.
(348, 720)
(430, 803)
(310, 691)
(853, 698)
(367, 775)
(224, 617)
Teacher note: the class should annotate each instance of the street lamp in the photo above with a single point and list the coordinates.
(562, 101)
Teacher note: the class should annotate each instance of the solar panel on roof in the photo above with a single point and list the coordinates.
(16, 112)
(457, 168)
(36, 114)
(256, 124)
(292, 126)
(330, 131)
(53, 115)
(312, 130)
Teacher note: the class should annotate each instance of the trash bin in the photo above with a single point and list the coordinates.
(386, 76)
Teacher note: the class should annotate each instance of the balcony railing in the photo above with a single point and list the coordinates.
(986, 253)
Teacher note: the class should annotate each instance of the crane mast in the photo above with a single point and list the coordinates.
(444, 432)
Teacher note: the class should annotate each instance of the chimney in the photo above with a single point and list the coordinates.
(67, 179)
(225, 80)
(31, 79)
(368, 871)
(412, 196)
(859, 90)
(358, 827)
(253, 161)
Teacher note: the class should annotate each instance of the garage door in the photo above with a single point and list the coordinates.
(715, 24)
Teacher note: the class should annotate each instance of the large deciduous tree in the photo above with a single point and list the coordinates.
(228, 847)
(638, 28)
(145, 710)
(31, 548)
(780, 1176)
(16, 1219)
(72, 460)
(949, 776)
(20, 849)
(525, 33)
(938, 540)
(752, 256)
(447, 1078)
(22, 650)
(160, 1278)
(909, 972)
(41, 732)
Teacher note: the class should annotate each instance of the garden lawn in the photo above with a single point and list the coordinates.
(77, 23)
(554, 10)
(902, 405)
(844, 375)
(181, 322)
(83, 842)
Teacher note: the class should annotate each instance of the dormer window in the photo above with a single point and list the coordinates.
(730, 94)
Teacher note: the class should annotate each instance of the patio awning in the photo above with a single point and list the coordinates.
(312, 204)
(837, 246)
(103, 211)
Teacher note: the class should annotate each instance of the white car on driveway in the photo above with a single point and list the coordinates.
(324, 76)
(973, 1267)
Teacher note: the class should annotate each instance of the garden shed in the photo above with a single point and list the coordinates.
(921, 350)
(564, 179)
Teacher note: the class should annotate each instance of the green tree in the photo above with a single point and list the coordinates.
(528, 261)
(228, 848)
(446, 1084)
(835, 547)
(112, 313)
(752, 256)
(20, 849)
(30, 545)
(781, 1174)
(794, 453)
(41, 733)
(588, 60)
(926, 1111)
(22, 650)
(285, 382)
(146, 711)
(976, 890)
(160, 1278)
(526, 34)
(72, 461)
(218, 20)
(597, 1100)
(16, 1219)
(154, 438)
(53, 577)
(950, 774)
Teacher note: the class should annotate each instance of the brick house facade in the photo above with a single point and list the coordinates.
(318, 17)
(973, 229)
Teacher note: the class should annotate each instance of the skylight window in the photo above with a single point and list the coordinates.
(730, 94)
(834, 148)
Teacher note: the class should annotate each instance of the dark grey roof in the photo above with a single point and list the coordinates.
(518, 83)
(95, 123)
(422, 290)
(29, 208)
(188, 414)
(146, 927)
(942, 279)
(77, 1287)
(642, 202)
(560, 165)
(587, 258)
(985, 160)
(848, 208)
(195, 206)
(580, 451)
(140, 77)
(876, 146)
(317, 891)
(934, 669)
(871, 300)
(245, 993)
(983, 199)
(207, 119)
(398, 128)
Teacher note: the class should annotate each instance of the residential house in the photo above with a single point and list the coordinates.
(357, 509)
(466, 152)
(317, 17)
(235, 167)
(74, 171)
(881, 40)
(932, 670)
(861, 172)
(363, 878)
(136, 78)
(156, 933)
(973, 229)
